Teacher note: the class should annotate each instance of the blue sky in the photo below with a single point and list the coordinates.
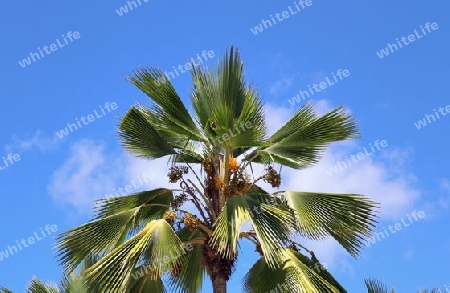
(56, 180)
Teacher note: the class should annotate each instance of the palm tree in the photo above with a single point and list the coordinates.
(376, 286)
(173, 238)
(72, 284)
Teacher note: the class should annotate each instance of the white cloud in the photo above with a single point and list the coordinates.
(281, 85)
(444, 201)
(37, 140)
(135, 167)
(445, 184)
(372, 176)
(409, 254)
(91, 172)
(87, 174)
(323, 106)
(276, 117)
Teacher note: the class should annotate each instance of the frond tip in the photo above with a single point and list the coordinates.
(348, 218)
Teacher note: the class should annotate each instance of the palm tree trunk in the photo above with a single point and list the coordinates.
(218, 274)
(219, 284)
(219, 269)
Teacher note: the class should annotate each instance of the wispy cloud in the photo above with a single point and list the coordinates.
(409, 254)
(87, 174)
(91, 172)
(444, 201)
(37, 140)
(281, 85)
(445, 184)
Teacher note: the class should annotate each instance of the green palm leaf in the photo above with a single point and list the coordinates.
(143, 133)
(192, 270)
(140, 137)
(37, 286)
(272, 224)
(147, 283)
(318, 268)
(347, 217)
(158, 200)
(302, 140)
(183, 143)
(117, 217)
(302, 273)
(168, 106)
(376, 286)
(156, 242)
(296, 275)
(74, 284)
(224, 102)
(262, 278)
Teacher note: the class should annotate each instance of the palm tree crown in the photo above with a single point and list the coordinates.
(173, 238)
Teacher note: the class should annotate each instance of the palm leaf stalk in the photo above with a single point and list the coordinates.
(144, 236)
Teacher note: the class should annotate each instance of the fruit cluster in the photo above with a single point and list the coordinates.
(176, 173)
(191, 221)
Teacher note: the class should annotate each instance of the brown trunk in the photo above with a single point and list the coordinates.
(219, 283)
(219, 268)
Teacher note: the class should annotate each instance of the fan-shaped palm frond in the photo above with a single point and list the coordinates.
(5, 290)
(346, 217)
(74, 283)
(168, 111)
(37, 286)
(224, 103)
(189, 276)
(296, 276)
(302, 140)
(116, 218)
(272, 225)
(146, 283)
(376, 286)
(155, 242)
